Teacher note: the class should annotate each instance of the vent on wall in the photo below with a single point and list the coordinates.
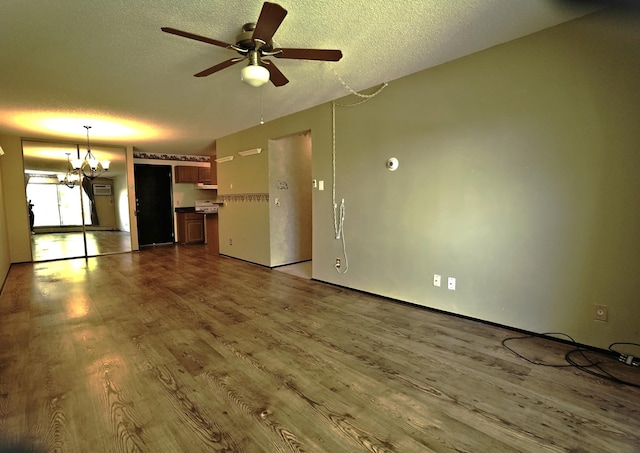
(101, 190)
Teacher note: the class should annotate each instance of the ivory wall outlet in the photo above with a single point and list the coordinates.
(451, 283)
(601, 313)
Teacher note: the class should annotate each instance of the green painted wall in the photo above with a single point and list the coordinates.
(518, 176)
(5, 259)
(247, 224)
(15, 200)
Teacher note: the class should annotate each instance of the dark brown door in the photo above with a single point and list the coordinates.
(153, 204)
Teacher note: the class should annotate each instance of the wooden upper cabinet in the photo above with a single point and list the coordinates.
(186, 174)
(195, 175)
(204, 175)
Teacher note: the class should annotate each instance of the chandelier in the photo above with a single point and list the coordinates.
(72, 178)
(90, 167)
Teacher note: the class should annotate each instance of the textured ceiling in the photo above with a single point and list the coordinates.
(67, 63)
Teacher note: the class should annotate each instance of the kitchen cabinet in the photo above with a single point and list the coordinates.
(190, 227)
(186, 174)
(204, 175)
(194, 175)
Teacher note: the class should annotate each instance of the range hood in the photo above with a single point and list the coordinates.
(207, 186)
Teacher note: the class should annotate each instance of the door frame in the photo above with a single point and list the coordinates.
(168, 167)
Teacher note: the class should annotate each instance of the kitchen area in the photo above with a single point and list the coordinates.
(199, 224)
(196, 223)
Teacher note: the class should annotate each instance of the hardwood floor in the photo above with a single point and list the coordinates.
(175, 350)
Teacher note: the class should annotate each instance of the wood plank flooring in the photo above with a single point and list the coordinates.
(175, 350)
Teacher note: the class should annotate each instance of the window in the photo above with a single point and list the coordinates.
(56, 204)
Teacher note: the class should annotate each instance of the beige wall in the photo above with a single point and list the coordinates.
(251, 226)
(244, 228)
(5, 259)
(518, 176)
(121, 199)
(131, 190)
(15, 199)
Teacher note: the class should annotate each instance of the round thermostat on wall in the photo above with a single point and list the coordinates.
(392, 164)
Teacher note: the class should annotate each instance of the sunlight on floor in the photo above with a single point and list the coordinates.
(54, 246)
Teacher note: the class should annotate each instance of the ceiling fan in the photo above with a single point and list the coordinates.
(254, 43)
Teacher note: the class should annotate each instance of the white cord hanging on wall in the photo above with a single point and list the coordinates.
(339, 211)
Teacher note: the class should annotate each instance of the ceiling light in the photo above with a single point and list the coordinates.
(90, 166)
(254, 75)
(65, 124)
(1, 151)
(72, 178)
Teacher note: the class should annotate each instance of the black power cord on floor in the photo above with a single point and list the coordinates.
(625, 358)
(535, 362)
(585, 361)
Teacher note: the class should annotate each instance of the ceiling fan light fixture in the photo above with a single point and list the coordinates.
(254, 75)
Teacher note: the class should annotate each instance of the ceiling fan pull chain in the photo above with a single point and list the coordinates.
(261, 105)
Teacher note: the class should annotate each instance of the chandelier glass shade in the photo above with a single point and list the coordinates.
(72, 178)
(90, 167)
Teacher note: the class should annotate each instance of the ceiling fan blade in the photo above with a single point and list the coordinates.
(270, 19)
(218, 67)
(275, 75)
(186, 34)
(309, 54)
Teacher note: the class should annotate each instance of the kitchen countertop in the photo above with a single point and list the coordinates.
(192, 210)
(186, 209)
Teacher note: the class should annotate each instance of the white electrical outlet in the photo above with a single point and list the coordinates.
(436, 280)
(451, 283)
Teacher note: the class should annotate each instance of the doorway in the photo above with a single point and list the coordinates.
(290, 213)
(154, 205)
